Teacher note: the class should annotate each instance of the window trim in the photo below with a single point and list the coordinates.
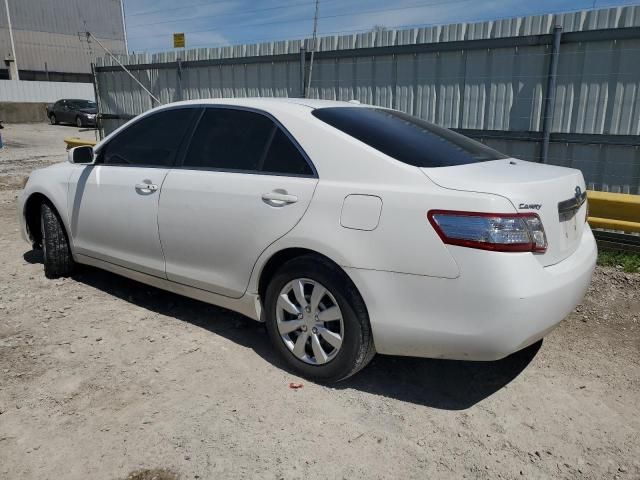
(179, 165)
(179, 151)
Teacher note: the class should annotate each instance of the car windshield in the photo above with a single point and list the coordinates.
(407, 138)
(82, 103)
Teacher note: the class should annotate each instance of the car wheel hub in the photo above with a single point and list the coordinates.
(309, 321)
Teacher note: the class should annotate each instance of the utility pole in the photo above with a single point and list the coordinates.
(124, 27)
(313, 47)
(13, 68)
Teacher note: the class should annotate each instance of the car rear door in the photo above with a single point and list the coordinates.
(114, 203)
(66, 114)
(243, 183)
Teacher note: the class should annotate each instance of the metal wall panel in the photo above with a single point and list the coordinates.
(102, 17)
(48, 31)
(598, 88)
(611, 168)
(16, 91)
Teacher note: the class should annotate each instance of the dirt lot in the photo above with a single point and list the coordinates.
(101, 377)
(31, 146)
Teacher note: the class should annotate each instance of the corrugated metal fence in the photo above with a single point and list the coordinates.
(489, 80)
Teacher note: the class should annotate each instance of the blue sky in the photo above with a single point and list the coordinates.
(150, 23)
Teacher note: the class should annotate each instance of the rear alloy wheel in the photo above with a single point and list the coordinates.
(52, 119)
(58, 261)
(317, 320)
(79, 123)
(311, 329)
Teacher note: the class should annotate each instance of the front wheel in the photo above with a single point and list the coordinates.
(58, 261)
(317, 320)
(79, 122)
(53, 119)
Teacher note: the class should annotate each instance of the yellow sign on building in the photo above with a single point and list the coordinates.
(178, 40)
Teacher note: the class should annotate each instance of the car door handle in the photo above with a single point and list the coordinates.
(149, 187)
(278, 199)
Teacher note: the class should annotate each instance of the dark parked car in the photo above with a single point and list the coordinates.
(82, 113)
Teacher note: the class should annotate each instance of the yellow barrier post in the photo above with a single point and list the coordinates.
(78, 142)
(614, 211)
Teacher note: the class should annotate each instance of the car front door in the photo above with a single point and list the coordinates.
(55, 109)
(243, 184)
(114, 203)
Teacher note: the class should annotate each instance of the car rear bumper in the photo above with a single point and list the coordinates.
(500, 303)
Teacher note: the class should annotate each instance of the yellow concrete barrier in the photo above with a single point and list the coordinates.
(78, 142)
(614, 211)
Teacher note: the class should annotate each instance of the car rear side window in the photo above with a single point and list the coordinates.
(152, 141)
(283, 157)
(407, 138)
(229, 139)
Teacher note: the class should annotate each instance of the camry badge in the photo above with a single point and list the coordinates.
(530, 206)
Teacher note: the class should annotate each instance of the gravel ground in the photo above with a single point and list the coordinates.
(31, 146)
(105, 378)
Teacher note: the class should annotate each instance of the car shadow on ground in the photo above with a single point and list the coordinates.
(442, 384)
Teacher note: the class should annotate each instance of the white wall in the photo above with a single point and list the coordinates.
(23, 91)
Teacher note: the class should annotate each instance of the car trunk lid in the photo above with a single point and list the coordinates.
(556, 194)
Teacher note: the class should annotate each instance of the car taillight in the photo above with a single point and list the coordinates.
(501, 232)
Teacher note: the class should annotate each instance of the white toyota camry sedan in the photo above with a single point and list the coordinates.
(348, 229)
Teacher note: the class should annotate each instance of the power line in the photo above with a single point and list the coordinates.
(207, 4)
(230, 14)
(302, 36)
(349, 14)
(159, 10)
(233, 14)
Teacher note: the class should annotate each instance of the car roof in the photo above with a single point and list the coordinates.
(280, 103)
(272, 105)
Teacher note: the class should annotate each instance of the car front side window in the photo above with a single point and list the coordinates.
(229, 139)
(151, 141)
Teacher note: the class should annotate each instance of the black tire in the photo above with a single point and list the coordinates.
(79, 123)
(52, 119)
(357, 347)
(58, 261)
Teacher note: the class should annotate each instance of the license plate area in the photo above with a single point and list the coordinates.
(569, 227)
(568, 216)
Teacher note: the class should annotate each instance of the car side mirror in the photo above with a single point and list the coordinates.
(81, 155)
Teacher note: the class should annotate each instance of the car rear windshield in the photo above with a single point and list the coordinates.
(406, 138)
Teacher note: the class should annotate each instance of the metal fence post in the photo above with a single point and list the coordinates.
(549, 103)
(96, 92)
(303, 83)
(179, 77)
